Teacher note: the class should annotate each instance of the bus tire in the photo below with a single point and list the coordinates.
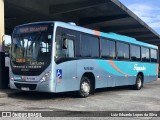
(85, 87)
(139, 82)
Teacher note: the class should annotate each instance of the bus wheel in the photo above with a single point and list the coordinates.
(85, 87)
(139, 82)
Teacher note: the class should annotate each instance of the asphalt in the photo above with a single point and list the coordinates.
(107, 99)
(8, 92)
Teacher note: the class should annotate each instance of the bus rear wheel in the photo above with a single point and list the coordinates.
(139, 82)
(85, 87)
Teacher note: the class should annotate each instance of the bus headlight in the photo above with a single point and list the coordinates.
(11, 78)
(45, 77)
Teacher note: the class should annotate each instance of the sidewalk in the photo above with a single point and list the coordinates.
(7, 92)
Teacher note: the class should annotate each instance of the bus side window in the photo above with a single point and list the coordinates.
(135, 53)
(145, 54)
(123, 51)
(108, 49)
(154, 56)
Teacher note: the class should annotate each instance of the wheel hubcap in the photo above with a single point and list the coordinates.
(85, 87)
(139, 83)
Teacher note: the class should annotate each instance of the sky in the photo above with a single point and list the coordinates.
(147, 10)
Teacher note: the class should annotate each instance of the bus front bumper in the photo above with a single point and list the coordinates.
(45, 86)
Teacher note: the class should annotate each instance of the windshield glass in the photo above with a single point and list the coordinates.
(31, 48)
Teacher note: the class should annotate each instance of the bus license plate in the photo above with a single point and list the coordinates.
(25, 88)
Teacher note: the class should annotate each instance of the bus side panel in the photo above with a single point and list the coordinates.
(66, 76)
(131, 69)
(90, 66)
(77, 68)
(126, 72)
(115, 73)
(107, 73)
(123, 79)
(152, 74)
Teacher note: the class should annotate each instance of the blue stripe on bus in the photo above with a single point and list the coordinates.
(129, 68)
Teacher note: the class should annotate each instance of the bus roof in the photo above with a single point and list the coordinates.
(105, 35)
(110, 35)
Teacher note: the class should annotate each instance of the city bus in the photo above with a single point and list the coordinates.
(62, 57)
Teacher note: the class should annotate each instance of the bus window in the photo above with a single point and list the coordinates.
(108, 49)
(145, 54)
(123, 51)
(135, 53)
(153, 55)
(70, 48)
(89, 46)
(67, 51)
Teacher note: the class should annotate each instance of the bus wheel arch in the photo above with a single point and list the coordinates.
(139, 81)
(87, 77)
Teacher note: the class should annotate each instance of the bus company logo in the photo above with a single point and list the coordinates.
(17, 77)
(137, 68)
(24, 78)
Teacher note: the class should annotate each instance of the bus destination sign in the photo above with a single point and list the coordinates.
(30, 29)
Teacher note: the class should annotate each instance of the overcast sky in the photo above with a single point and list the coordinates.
(147, 10)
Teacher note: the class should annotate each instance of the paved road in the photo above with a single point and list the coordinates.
(111, 99)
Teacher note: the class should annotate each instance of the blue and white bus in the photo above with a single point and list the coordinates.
(59, 57)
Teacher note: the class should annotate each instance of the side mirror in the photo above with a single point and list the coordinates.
(65, 43)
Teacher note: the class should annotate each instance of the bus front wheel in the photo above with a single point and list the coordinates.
(139, 82)
(85, 87)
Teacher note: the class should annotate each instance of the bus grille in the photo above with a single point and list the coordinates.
(30, 86)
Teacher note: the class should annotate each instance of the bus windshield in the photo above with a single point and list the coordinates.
(31, 48)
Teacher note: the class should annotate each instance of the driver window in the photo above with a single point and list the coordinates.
(64, 52)
(70, 48)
